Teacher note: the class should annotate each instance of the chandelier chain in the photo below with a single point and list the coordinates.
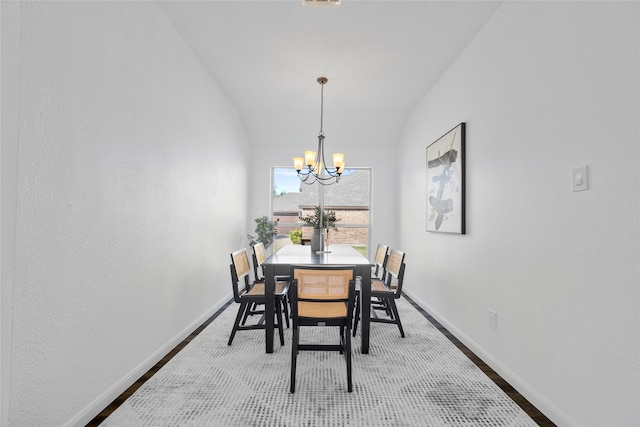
(321, 107)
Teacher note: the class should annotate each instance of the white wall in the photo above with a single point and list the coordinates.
(130, 189)
(10, 29)
(544, 87)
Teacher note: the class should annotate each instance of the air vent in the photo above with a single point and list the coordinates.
(322, 2)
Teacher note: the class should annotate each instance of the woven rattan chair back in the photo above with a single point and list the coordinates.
(321, 284)
(380, 260)
(395, 269)
(240, 273)
(261, 254)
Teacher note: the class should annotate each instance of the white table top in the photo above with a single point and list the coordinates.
(334, 255)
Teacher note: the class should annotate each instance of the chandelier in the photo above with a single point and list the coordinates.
(313, 168)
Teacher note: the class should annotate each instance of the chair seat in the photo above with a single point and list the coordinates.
(258, 289)
(324, 310)
(379, 286)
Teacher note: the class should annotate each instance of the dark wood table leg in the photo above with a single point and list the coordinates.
(269, 291)
(365, 307)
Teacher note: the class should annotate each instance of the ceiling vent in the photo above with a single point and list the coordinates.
(322, 2)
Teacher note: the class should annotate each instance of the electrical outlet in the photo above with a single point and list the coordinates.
(493, 319)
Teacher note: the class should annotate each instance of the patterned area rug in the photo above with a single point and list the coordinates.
(419, 380)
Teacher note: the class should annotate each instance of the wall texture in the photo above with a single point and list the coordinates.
(130, 190)
(10, 30)
(544, 87)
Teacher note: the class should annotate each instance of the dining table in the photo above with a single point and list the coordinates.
(279, 264)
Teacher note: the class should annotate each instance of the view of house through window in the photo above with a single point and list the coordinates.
(350, 199)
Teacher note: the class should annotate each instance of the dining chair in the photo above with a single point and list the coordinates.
(378, 272)
(322, 296)
(388, 290)
(247, 294)
(259, 257)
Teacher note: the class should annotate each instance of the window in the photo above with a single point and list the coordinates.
(350, 199)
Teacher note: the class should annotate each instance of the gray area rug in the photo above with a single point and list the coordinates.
(419, 380)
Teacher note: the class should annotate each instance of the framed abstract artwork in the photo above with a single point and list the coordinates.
(445, 182)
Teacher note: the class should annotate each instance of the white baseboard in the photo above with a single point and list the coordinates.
(105, 399)
(550, 410)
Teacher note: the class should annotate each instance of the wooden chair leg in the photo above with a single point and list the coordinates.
(252, 309)
(294, 358)
(243, 307)
(246, 312)
(347, 355)
(392, 303)
(279, 315)
(285, 307)
(387, 307)
(356, 316)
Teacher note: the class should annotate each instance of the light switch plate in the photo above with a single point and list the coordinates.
(493, 319)
(579, 179)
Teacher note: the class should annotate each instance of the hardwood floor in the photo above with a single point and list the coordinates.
(523, 403)
(151, 372)
(526, 406)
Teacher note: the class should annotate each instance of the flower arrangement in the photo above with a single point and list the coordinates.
(328, 219)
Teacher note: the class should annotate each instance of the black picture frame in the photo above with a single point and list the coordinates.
(445, 182)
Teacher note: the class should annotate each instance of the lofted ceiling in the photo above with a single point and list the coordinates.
(381, 59)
